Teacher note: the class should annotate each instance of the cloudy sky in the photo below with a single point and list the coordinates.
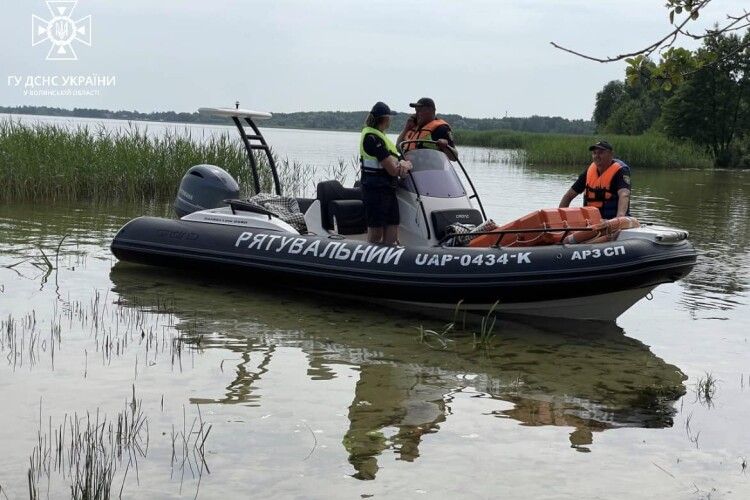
(478, 58)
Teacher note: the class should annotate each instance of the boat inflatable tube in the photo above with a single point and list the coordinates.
(435, 275)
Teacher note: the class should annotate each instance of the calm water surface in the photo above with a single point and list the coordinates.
(309, 397)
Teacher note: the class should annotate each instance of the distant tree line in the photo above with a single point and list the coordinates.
(701, 96)
(326, 120)
(164, 116)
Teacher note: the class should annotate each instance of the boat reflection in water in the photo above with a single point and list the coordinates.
(587, 376)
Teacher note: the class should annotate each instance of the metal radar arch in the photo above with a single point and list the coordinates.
(252, 141)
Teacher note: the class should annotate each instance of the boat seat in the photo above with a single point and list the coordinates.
(304, 203)
(350, 216)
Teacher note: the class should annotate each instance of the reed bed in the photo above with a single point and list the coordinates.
(642, 151)
(90, 454)
(147, 331)
(440, 340)
(52, 162)
(87, 451)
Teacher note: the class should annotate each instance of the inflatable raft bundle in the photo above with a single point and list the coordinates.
(607, 230)
(554, 226)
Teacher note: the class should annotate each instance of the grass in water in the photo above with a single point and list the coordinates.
(95, 456)
(706, 389)
(52, 162)
(641, 151)
(434, 339)
(439, 340)
(192, 448)
(483, 339)
(88, 450)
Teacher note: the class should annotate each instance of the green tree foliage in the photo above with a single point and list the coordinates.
(629, 118)
(607, 100)
(712, 107)
(701, 96)
(631, 108)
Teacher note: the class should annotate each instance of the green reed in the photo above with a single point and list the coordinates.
(705, 389)
(439, 339)
(642, 151)
(486, 332)
(87, 450)
(52, 162)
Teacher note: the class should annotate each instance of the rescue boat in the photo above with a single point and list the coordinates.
(553, 262)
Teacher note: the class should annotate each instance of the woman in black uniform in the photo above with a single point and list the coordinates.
(381, 169)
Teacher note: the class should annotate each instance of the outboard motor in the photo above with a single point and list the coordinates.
(202, 187)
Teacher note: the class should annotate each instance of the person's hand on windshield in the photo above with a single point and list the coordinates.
(446, 148)
(404, 167)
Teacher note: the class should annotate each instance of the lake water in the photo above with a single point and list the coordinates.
(308, 397)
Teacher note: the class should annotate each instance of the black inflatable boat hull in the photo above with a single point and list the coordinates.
(581, 281)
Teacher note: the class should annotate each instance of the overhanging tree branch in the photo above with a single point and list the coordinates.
(691, 9)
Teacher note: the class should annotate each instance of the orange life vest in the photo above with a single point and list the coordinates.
(599, 192)
(424, 133)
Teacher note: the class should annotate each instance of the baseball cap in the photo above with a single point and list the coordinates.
(425, 102)
(601, 145)
(381, 109)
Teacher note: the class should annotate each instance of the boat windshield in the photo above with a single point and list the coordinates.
(433, 175)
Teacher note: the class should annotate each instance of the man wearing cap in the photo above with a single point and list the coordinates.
(381, 168)
(423, 124)
(605, 183)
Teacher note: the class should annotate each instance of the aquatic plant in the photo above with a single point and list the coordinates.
(692, 437)
(438, 339)
(640, 151)
(150, 329)
(90, 451)
(705, 389)
(487, 332)
(23, 342)
(192, 448)
(343, 170)
(433, 338)
(54, 162)
(87, 450)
